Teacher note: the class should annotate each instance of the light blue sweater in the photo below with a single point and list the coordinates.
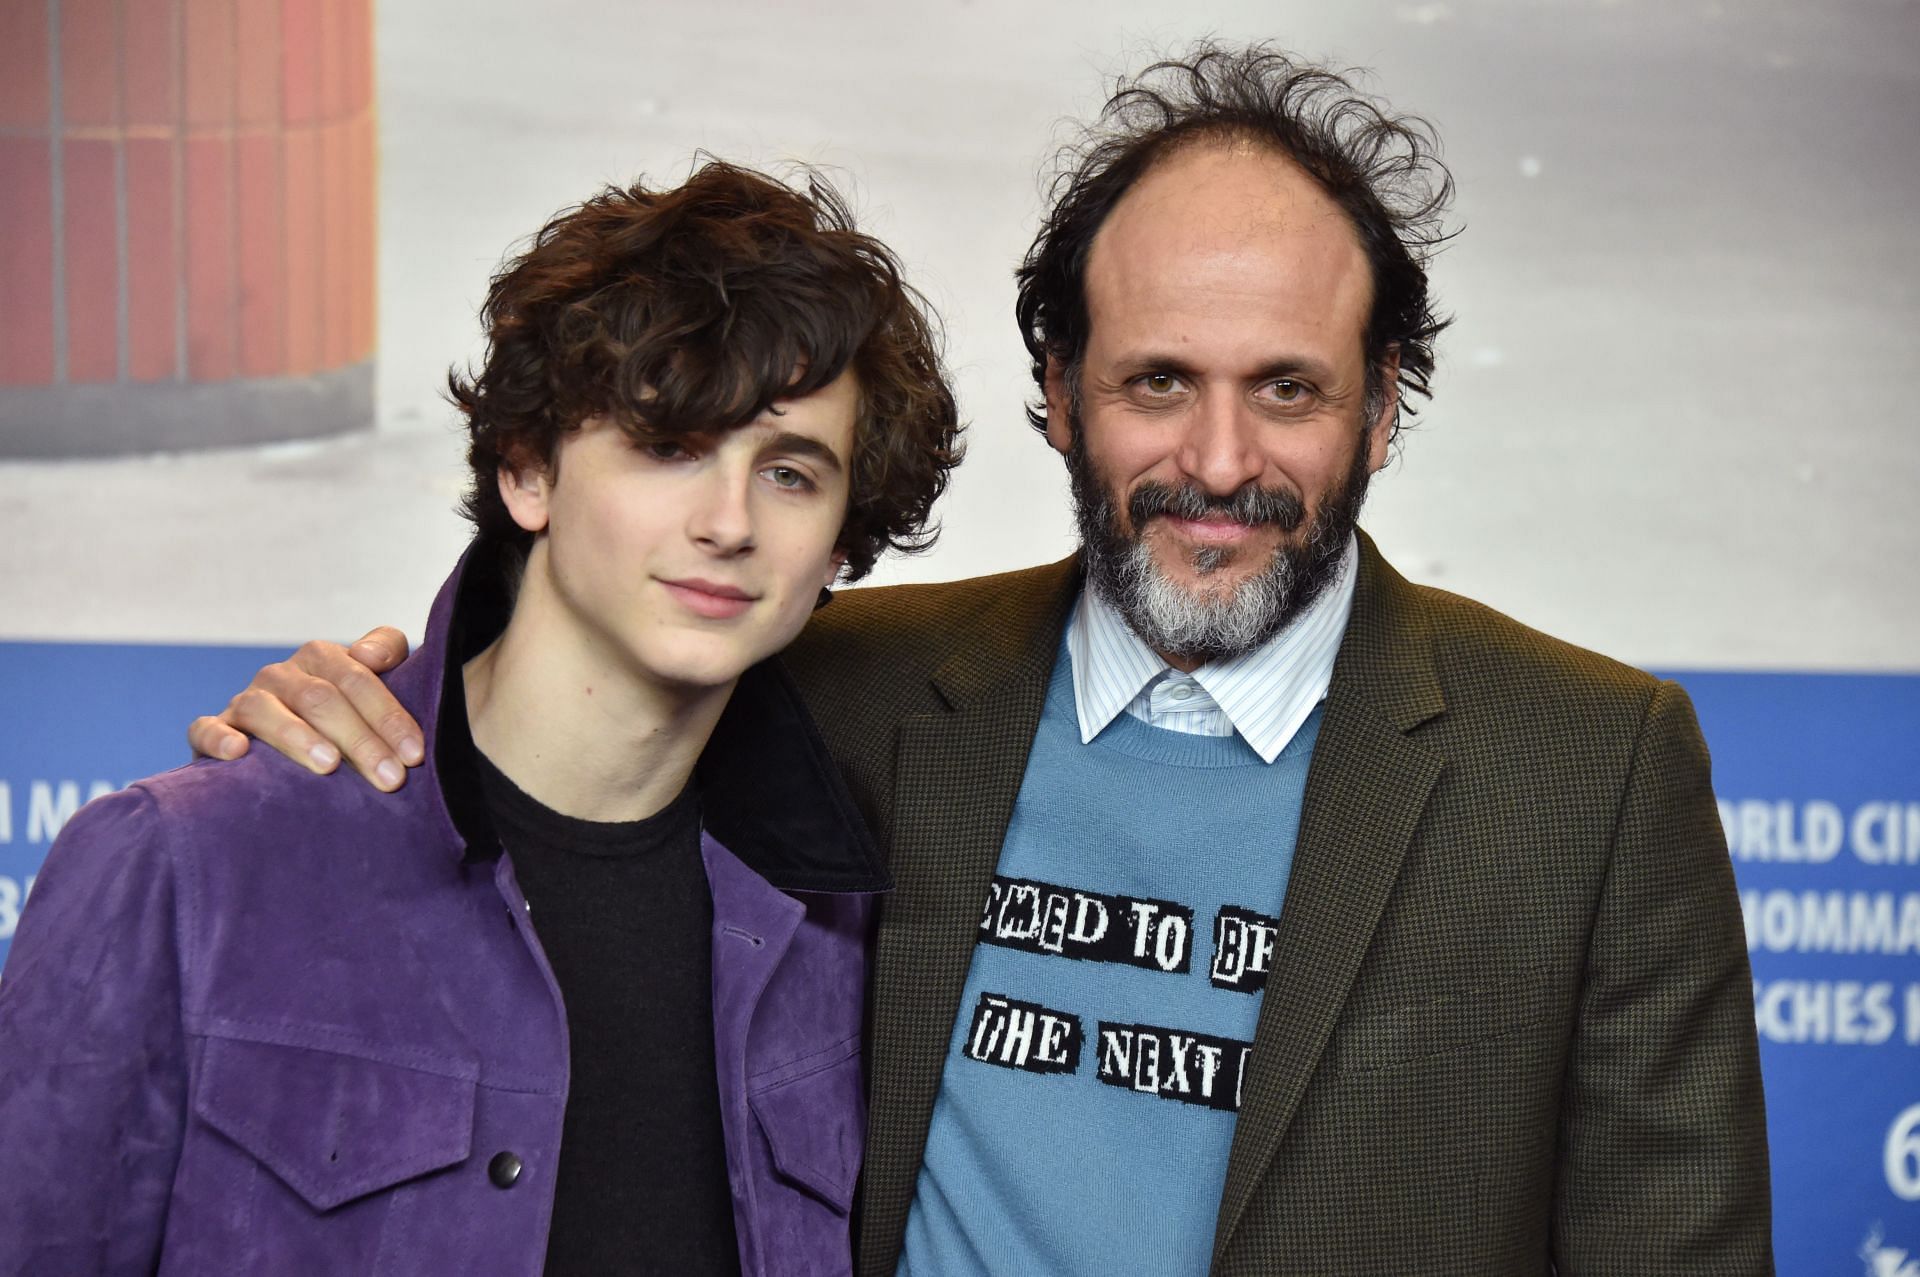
(1087, 1105)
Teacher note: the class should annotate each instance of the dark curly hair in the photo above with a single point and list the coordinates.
(689, 312)
(1382, 169)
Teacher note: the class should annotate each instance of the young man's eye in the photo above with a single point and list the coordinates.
(789, 478)
(665, 449)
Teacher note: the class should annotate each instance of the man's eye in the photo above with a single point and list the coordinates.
(1287, 390)
(1160, 383)
(665, 449)
(788, 477)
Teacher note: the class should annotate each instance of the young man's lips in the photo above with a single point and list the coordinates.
(709, 598)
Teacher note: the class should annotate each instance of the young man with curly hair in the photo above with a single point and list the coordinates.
(590, 999)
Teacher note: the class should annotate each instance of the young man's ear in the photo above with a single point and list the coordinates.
(837, 562)
(526, 488)
(1059, 408)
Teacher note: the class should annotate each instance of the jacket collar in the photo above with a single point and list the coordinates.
(1016, 639)
(1387, 659)
(769, 791)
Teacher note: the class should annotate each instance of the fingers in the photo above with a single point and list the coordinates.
(376, 707)
(321, 705)
(380, 649)
(210, 737)
(261, 711)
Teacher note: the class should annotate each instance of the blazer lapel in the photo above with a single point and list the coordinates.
(1366, 788)
(958, 774)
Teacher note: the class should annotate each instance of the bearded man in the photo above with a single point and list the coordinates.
(1255, 909)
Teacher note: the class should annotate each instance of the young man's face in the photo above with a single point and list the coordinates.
(683, 563)
(1227, 299)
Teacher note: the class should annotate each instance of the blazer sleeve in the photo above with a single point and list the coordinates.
(92, 1058)
(1663, 1150)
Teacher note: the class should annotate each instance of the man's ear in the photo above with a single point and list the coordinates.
(1380, 429)
(526, 488)
(1059, 408)
(834, 564)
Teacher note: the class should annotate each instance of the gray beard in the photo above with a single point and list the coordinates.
(1202, 625)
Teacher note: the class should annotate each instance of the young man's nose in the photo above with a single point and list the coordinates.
(1220, 446)
(722, 515)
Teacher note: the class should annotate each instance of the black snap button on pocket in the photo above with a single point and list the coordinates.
(504, 1169)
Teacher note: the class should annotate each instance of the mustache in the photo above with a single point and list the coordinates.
(1250, 505)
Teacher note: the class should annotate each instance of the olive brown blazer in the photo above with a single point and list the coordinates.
(1509, 1026)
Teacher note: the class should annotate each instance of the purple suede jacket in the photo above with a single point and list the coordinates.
(260, 1021)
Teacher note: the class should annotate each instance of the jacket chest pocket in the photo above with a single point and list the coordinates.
(812, 1115)
(333, 1127)
(1379, 1040)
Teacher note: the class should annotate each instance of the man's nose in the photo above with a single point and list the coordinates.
(721, 519)
(1220, 446)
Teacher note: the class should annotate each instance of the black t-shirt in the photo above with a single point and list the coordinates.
(625, 916)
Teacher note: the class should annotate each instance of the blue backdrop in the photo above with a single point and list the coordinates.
(1818, 777)
(1819, 785)
(80, 719)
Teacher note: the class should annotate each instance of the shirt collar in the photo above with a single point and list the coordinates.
(1266, 693)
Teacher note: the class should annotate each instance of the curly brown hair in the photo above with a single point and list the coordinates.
(689, 312)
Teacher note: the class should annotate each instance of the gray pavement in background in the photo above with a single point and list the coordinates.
(1670, 421)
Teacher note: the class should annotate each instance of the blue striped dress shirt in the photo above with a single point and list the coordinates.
(1265, 694)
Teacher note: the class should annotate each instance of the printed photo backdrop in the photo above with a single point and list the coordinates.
(241, 240)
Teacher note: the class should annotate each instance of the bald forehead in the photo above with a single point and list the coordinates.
(1219, 218)
(1221, 184)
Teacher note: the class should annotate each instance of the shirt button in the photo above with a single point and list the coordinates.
(1183, 693)
(504, 1169)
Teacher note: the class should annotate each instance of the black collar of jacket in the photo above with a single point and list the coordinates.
(769, 792)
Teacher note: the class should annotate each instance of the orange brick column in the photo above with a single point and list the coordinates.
(186, 223)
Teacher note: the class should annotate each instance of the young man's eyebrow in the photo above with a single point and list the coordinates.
(792, 441)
